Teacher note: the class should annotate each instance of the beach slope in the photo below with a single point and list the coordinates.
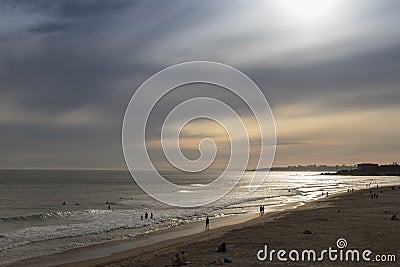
(364, 222)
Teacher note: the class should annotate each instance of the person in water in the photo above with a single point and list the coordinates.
(146, 215)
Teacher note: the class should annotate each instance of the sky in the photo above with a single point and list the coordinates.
(329, 70)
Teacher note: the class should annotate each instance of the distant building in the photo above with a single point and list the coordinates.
(390, 168)
(373, 169)
(367, 167)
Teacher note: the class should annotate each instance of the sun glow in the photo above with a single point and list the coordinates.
(308, 9)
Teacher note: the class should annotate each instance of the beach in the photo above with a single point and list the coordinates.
(364, 222)
(41, 230)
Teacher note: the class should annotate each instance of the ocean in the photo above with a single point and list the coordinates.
(35, 222)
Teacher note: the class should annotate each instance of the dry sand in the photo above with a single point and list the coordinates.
(364, 222)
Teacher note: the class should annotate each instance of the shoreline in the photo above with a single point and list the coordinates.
(119, 247)
(343, 215)
(159, 245)
(190, 233)
(183, 233)
(97, 253)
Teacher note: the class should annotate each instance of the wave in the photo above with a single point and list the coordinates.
(51, 215)
(34, 217)
(96, 222)
(185, 191)
(197, 185)
(87, 223)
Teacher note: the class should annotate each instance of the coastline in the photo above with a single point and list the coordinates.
(364, 222)
(96, 253)
(163, 244)
(217, 230)
(87, 256)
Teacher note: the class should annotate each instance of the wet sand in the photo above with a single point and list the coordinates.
(364, 222)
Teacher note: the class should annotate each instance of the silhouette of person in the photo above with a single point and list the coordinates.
(184, 258)
(146, 215)
(151, 215)
(207, 223)
(141, 217)
(222, 247)
(177, 261)
(109, 207)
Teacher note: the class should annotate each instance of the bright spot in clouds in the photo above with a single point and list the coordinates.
(309, 9)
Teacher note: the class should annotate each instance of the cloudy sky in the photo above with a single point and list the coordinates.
(329, 69)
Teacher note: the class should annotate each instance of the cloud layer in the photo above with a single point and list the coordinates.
(68, 69)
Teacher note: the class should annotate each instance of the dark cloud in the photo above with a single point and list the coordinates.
(49, 27)
(68, 8)
(76, 8)
(364, 79)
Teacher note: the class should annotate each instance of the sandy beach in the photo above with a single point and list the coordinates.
(364, 222)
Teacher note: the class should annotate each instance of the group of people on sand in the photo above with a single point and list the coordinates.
(375, 195)
(262, 209)
(146, 216)
(180, 260)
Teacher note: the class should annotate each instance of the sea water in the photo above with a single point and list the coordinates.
(34, 221)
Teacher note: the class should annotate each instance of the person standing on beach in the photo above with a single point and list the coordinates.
(207, 223)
